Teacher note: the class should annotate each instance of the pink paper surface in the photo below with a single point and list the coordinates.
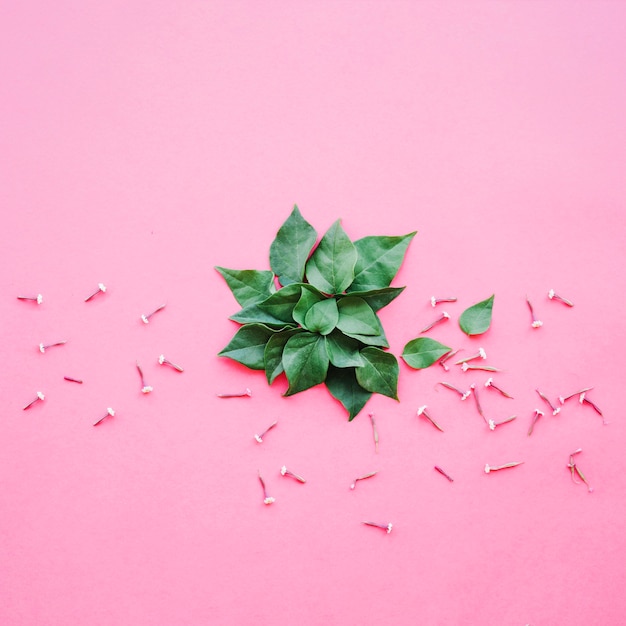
(146, 142)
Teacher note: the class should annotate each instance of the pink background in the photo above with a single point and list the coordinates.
(146, 142)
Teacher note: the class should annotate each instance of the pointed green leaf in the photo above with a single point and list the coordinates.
(274, 353)
(331, 266)
(379, 372)
(343, 386)
(423, 352)
(248, 345)
(305, 361)
(248, 286)
(477, 319)
(277, 310)
(343, 351)
(379, 259)
(378, 298)
(308, 298)
(357, 317)
(322, 317)
(291, 248)
(371, 340)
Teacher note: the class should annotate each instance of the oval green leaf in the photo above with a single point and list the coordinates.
(379, 259)
(343, 351)
(477, 319)
(248, 286)
(379, 372)
(331, 267)
(356, 317)
(378, 298)
(322, 317)
(423, 352)
(308, 298)
(305, 362)
(291, 248)
(273, 354)
(248, 345)
(343, 386)
(276, 310)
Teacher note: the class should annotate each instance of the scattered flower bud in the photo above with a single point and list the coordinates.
(435, 301)
(422, 411)
(491, 384)
(535, 322)
(40, 398)
(110, 413)
(240, 394)
(146, 318)
(259, 438)
(285, 472)
(536, 415)
(495, 468)
(481, 354)
(266, 499)
(43, 348)
(555, 410)
(101, 289)
(38, 298)
(554, 296)
(442, 318)
(364, 477)
(444, 473)
(164, 361)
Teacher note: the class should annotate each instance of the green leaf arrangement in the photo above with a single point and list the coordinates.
(314, 316)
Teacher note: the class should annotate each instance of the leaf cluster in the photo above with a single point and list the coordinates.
(314, 315)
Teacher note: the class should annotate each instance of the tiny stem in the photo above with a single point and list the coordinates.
(364, 477)
(444, 473)
(374, 432)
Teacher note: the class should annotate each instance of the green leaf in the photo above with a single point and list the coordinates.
(423, 352)
(379, 372)
(248, 345)
(248, 286)
(305, 361)
(322, 317)
(343, 351)
(357, 317)
(291, 248)
(309, 297)
(273, 354)
(371, 340)
(477, 319)
(331, 266)
(378, 298)
(343, 386)
(277, 310)
(379, 259)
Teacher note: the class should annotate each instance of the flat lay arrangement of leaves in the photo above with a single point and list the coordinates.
(314, 316)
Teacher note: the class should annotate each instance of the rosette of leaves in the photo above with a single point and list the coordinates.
(314, 315)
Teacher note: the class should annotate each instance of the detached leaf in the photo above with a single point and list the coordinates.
(291, 248)
(273, 354)
(379, 261)
(331, 266)
(305, 361)
(379, 372)
(343, 351)
(277, 310)
(423, 352)
(477, 319)
(308, 298)
(322, 317)
(357, 317)
(378, 298)
(248, 345)
(343, 386)
(248, 286)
